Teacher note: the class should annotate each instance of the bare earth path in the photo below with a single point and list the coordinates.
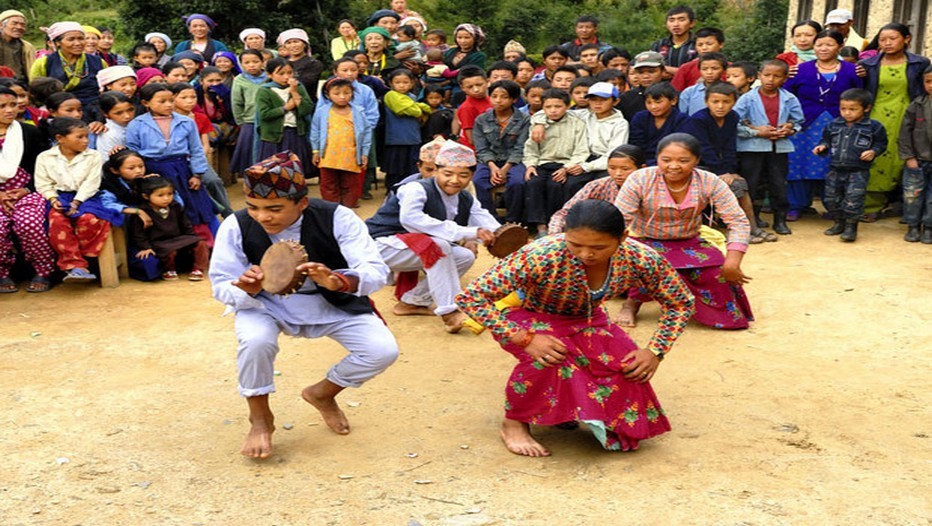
(119, 408)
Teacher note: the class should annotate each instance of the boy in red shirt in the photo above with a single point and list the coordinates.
(475, 84)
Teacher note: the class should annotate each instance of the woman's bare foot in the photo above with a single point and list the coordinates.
(517, 438)
(406, 309)
(454, 321)
(321, 396)
(628, 315)
(259, 440)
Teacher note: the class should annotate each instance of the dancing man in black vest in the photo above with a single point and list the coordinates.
(343, 267)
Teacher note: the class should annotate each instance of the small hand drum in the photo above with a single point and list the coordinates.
(280, 267)
(508, 239)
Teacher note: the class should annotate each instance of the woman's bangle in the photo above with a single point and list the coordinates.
(525, 340)
(346, 282)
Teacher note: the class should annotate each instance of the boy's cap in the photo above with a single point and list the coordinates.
(603, 89)
(428, 153)
(647, 59)
(278, 176)
(454, 155)
(838, 16)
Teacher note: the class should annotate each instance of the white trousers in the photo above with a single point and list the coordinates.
(372, 348)
(443, 278)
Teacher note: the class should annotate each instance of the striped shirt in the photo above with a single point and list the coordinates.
(603, 188)
(651, 212)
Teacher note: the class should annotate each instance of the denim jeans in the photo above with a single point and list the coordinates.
(845, 190)
(917, 195)
(514, 191)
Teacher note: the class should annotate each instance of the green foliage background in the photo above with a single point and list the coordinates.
(754, 28)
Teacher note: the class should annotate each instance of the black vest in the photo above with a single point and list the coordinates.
(386, 221)
(322, 247)
(87, 90)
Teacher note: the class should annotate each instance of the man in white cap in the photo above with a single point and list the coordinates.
(841, 20)
(15, 53)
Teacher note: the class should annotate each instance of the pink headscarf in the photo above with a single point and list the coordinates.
(477, 34)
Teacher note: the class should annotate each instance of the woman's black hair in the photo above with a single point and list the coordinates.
(849, 52)
(7, 82)
(7, 91)
(683, 139)
(511, 88)
(346, 21)
(630, 151)
(147, 185)
(209, 70)
(55, 100)
(64, 125)
(831, 33)
(41, 88)
(335, 82)
(433, 88)
(902, 29)
(255, 52)
(116, 160)
(178, 87)
(278, 62)
(598, 215)
(109, 100)
(811, 23)
(399, 72)
(149, 90)
(172, 65)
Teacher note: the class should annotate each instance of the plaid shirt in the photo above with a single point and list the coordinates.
(651, 212)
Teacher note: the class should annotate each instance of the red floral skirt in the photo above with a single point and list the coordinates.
(588, 386)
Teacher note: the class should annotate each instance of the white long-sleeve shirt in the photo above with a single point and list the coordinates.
(55, 173)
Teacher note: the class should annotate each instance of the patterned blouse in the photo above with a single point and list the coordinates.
(603, 188)
(554, 281)
(651, 212)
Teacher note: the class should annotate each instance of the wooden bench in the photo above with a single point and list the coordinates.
(113, 259)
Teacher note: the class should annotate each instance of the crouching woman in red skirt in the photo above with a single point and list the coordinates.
(574, 364)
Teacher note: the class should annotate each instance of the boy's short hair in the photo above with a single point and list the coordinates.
(434, 88)
(582, 81)
(439, 33)
(407, 30)
(849, 52)
(614, 52)
(504, 65)
(776, 64)
(608, 75)
(40, 88)
(661, 90)
(550, 50)
(721, 88)
(543, 84)
(713, 57)
(681, 9)
(859, 95)
(553, 93)
(927, 70)
(567, 69)
(469, 72)
(143, 46)
(706, 32)
(511, 88)
(587, 47)
(749, 68)
(588, 19)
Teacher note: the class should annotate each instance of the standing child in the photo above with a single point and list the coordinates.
(711, 68)
(440, 121)
(915, 147)
(245, 87)
(403, 119)
(168, 232)
(282, 107)
(68, 176)
(548, 183)
(708, 40)
(225, 61)
(646, 70)
(340, 142)
(171, 146)
(741, 75)
(475, 84)
(661, 118)
(853, 140)
(119, 111)
(768, 116)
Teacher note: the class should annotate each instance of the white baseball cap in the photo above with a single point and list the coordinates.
(838, 16)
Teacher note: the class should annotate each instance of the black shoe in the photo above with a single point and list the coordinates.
(926, 235)
(779, 224)
(851, 232)
(366, 195)
(836, 229)
(912, 235)
(761, 223)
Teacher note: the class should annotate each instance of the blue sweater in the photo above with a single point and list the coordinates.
(644, 134)
(719, 144)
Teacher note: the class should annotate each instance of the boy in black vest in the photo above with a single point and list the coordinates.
(433, 225)
(343, 267)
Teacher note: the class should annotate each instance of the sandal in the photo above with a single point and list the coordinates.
(39, 284)
(757, 237)
(196, 275)
(169, 275)
(8, 286)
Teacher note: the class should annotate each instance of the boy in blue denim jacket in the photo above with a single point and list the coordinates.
(854, 140)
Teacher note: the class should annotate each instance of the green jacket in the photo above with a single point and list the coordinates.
(270, 114)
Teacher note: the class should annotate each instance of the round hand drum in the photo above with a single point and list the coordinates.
(508, 239)
(280, 268)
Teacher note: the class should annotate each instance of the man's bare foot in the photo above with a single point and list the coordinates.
(517, 438)
(628, 315)
(406, 309)
(259, 440)
(454, 321)
(324, 402)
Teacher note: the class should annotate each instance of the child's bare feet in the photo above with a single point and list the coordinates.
(454, 321)
(628, 315)
(321, 396)
(517, 438)
(259, 440)
(406, 309)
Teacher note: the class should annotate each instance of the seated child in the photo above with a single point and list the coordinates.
(661, 118)
(579, 90)
(548, 182)
(563, 78)
(426, 167)
(434, 225)
(170, 231)
(914, 146)
(532, 94)
(853, 140)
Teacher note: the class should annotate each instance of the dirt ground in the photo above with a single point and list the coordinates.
(120, 408)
